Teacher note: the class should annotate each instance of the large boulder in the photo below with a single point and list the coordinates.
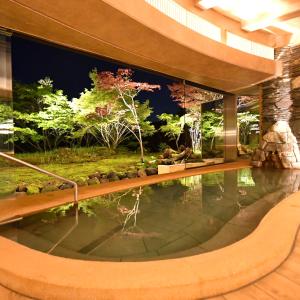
(278, 149)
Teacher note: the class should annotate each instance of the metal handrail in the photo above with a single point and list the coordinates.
(75, 186)
(67, 233)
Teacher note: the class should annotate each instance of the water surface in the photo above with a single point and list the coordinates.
(171, 219)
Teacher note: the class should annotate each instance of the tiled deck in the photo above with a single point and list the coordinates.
(281, 284)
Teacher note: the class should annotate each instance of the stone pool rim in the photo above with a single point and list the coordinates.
(29, 273)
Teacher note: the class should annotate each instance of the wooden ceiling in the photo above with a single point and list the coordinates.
(278, 17)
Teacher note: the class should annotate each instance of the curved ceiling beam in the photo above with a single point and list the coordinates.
(135, 33)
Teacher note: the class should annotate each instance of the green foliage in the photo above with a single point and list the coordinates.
(212, 124)
(245, 122)
(143, 111)
(6, 112)
(75, 164)
(43, 117)
(173, 126)
(96, 117)
(27, 97)
(102, 115)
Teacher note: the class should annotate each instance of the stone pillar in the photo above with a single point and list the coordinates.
(6, 121)
(281, 96)
(230, 127)
(276, 96)
(295, 90)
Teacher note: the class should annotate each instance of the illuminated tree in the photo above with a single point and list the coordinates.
(43, 116)
(99, 116)
(125, 90)
(173, 127)
(191, 98)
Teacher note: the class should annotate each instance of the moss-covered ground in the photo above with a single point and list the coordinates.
(70, 163)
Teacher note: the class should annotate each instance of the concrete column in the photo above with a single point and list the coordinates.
(6, 122)
(230, 127)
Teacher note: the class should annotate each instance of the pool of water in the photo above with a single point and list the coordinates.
(171, 219)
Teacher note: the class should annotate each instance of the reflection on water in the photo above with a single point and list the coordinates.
(170, 219)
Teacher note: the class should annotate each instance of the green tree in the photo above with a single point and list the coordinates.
(245, 122)
(173, 126)
(212, 126)
(99, 116)
(191, 99)
(47, 121)
(6, 112)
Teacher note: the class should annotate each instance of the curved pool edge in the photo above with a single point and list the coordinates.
(37, 275)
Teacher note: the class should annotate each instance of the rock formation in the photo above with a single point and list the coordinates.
(281, 95)
(278, 148)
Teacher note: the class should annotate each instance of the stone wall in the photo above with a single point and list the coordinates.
(295, 90)
(281, 96)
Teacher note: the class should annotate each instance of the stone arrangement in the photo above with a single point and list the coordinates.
(281, 96)
(92, 179)
(278, 148)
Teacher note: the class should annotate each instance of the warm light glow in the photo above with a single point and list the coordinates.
(244, 9)
(186, 18)
(248, 46)
(203, 27)
(259, 23)
(207, 4)
(286, 27)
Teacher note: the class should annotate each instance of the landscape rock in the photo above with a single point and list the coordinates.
(104, 180)
(122, 176)
(111, 174)
(65, 185)
(141, 173)
(92, 181)
(132, 175)
(95, 175)
(81, 181)
(21, 188)
(279, 148)
(151, 171)
(49, 188)
(168, 152)
(114, 178)
(33, 189)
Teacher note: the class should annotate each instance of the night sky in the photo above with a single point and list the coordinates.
(33, 60)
